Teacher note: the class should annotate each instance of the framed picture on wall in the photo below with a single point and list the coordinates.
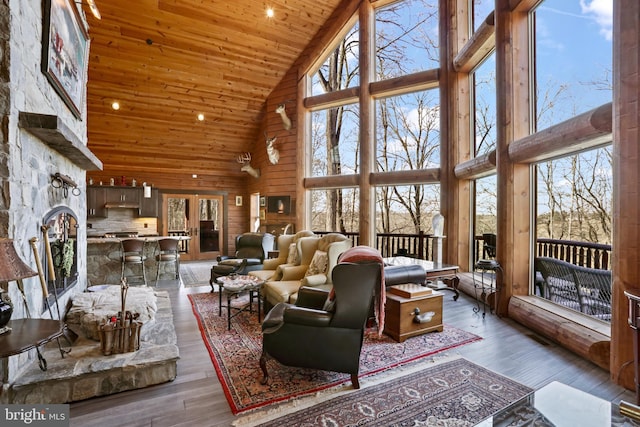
(279, 204)
(263, 201)
(65, 52)
(238, 200)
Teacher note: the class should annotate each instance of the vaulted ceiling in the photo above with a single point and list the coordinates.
(166, 61)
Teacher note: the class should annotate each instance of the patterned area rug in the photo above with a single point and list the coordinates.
(235, 354)
(195, 273)
(455, 394)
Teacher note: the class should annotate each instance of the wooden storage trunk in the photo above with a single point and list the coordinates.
(400, 314)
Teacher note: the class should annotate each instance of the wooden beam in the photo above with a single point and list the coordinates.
(625, 256)
(455, 134)
(424, 176)
(422, 80)
(332, 99)
(478, 167)
(587, 339)
(481, 44)
(335, 181)
(513, 180)
(588, 130)
(367, 131)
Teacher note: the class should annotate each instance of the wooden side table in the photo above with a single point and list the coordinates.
(400, 314)
(26, 334)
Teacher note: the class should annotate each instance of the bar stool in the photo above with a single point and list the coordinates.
(133, 253)
(168, 252)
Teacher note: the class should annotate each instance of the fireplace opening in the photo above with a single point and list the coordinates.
(62, 227)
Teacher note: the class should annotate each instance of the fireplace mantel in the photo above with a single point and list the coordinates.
(53, 132)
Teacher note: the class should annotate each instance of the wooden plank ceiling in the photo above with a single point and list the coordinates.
(166, 61)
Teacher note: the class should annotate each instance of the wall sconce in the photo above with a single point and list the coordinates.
(11, 268)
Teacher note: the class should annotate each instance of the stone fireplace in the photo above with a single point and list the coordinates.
(61, 227)
(41, 139)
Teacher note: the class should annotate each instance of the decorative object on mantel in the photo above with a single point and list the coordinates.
(93, 8)
(121, 332)
(11, 268)
(272, 152)
(64, 181)
(146, 190)
(286, 121)
(65, 51)
(245, 160)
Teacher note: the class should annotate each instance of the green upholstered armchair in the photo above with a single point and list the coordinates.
(317, 338)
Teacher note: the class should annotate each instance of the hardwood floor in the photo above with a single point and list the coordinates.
(195, 397)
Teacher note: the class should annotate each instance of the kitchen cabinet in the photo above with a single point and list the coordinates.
(100, 199)
(96, 199)
(124, 196)
(149, 206)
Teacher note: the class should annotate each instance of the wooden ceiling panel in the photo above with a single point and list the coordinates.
(165, 61)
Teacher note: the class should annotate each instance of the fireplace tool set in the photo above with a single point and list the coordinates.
(45, 292)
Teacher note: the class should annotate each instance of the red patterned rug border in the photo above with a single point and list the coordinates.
(226, 386)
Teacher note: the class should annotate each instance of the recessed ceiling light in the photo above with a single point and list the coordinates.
(115, 105)
(270, 12)
(194, 176)
(201, 117)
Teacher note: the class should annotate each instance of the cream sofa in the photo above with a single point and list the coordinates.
(288, 255)
(318, 256)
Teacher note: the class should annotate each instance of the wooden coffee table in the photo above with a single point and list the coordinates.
(439, 276)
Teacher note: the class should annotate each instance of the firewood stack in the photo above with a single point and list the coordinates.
(120, 333)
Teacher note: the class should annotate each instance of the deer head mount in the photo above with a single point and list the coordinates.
(245, 160)
(286, 121)
(272, 152)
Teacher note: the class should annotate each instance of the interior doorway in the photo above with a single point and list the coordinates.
(198, 216)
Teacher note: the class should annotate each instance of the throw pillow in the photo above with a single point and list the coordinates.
(319, 264)
(292, 258)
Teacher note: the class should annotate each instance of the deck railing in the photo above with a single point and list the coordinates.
(396, 244)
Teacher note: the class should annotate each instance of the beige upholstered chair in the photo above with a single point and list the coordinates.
(288, 256)
(318, 256)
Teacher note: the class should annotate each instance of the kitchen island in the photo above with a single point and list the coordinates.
(104, 266)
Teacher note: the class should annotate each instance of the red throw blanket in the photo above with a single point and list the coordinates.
(360, 254)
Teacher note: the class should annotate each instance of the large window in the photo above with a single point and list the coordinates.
(406, 38)
(324, 217)
(484, 106)
(334, 141)
(408, 132)
(340, 69)
(574, 197)
(407, 124)
(407, 208)
(573, 58)
(481, 9)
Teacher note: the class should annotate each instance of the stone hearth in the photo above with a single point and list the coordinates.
(85, 372)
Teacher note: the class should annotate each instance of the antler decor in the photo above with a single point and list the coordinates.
(272, 152)
(245, 160)
(286, 121)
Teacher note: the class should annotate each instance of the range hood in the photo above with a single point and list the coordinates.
(122, 205)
